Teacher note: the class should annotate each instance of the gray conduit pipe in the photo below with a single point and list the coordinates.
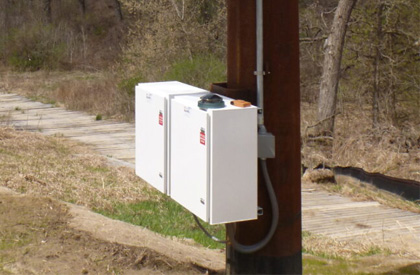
(246, 249)
(260, 63)
(260, 102)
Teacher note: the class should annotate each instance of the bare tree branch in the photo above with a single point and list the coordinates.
(312, 39)
(179, 12)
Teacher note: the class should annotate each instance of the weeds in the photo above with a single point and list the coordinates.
(35, 47)
(331, 249)
(32, 163)
(313, 265)
(388, 149)
(200, 71)
(100, 96)
(166, 217)
(127, 85)
(364, 192)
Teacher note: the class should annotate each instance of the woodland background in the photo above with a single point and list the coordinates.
(89, 54)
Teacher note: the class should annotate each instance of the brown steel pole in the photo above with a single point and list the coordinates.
(283, 254)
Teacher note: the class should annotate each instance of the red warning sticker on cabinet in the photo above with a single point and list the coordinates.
(160, 118)
(202, 136)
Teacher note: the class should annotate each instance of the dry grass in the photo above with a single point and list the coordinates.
(332, 248)
(388, 150)
(359, 191)
(159, 36)
(323, 255)
(401, 247)
(97, 96)
(62, 169)
(93, 92)
(318, 176)
(55, 167)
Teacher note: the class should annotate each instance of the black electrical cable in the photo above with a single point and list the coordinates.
(246, 249)
(206, 232)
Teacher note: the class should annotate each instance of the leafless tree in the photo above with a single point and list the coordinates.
(47, 9)
(82, 4)
(376, 64)
(331, 67)
(118, 10)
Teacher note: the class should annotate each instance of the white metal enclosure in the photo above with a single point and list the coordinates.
(152, 127)
(214, 160)
(205, 158)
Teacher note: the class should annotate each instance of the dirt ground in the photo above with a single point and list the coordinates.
(39, 236)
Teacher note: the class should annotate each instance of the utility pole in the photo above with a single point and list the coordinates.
(283, 254)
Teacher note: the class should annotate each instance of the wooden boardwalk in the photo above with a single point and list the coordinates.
(368, 222)
(323, 213)
(112, 139)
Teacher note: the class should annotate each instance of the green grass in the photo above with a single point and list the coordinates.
(98, 169)
(374, 250)
(325, 267)
(127, 85)
(166, 217)
(43, 99)
(10, 240)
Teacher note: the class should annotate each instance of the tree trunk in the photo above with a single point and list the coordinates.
(376, 71)
(47, 9)
(118, 10)
(331, 68)
(82, 4)
(4, 15)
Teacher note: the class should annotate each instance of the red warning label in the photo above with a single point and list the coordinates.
(160, 118)
(202, 137)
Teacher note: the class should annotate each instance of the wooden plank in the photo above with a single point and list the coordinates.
(110, 146)
(374, 219)
(91, 128)
(130, 160)
(115, 147)
(340, 206)
(357, 226)
(25, 110)
(45, 115)
(104, 142)
(116, 154)
(57, 126)
(52, 111)
(6, 96)
(105, 136)
(397, 233)
(50, 123)
(324, 224)
(377, 218)
(13, 99)
(385, 233)
(23, 105)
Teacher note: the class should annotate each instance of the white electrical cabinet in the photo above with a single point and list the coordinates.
(202, 156)
(213, 159)
(152, 128)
